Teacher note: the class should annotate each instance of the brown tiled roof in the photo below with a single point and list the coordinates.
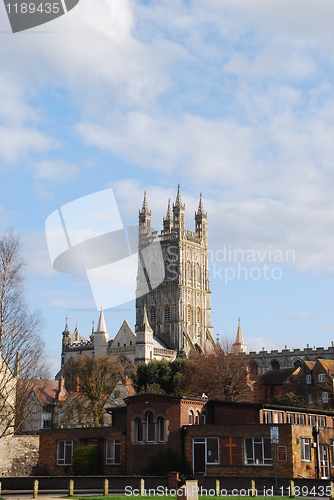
(277, 377)
(45, 391)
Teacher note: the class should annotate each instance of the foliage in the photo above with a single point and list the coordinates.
(162, 377)
(165, 462)
(220, 374)
(84, 461)
(90, 382)
(289, 399)
(21, 346)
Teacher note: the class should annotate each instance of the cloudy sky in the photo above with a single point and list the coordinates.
(234, 99)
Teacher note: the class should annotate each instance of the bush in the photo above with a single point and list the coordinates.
(166, 462)
(84, 461)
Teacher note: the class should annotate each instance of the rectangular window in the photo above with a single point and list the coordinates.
(46, 424)
(309, 379)
(322, 421)
(290, 418)
(305, 449)
(278, 417)
(309, 398)
(64, 452)
(258, 451)
(267, 417)
(212, 451)
(321, 377)
(300, 419)
(113, 451)
(325, 397)
(311, 420)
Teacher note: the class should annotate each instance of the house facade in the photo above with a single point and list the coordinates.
(214, 437)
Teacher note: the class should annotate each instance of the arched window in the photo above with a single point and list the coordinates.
(188, 270)
(168, 269)
(191, 417)
(275, 365)
(189, 314)
(297, 363)
(197, 418)
(153, 314)
(149, 427)
(138, 430)
(254, 368)
(167, 313)
(203, 418)
(198, 315)
(153, 271)
(198, 278)
(161, 429)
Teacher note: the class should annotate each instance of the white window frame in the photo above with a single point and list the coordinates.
(205, 440)
(257, 441)
(301, 416)
(305, 449)
(63, 444)
(322, 421)
(289, 417)
(309, 379)
(267, 417)
(325, 397)
(110, 460)
(321, 377)
(314, 418)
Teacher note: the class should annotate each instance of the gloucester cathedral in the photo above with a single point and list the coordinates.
(173, 302)
(173, 298)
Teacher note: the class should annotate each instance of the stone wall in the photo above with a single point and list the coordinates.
(18, 455)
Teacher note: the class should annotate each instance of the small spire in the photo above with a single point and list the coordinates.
(240, 337)
(145, 209)
(178, 202)
(66, 325)
(169, 215)
(200, 210)
(101, 327)
(93, 328)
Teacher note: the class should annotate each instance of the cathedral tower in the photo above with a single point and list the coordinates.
(179, 308)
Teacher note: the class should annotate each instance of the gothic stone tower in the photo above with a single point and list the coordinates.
(179, 305)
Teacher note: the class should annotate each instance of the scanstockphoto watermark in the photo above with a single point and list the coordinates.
(249, 264)
(187, 491)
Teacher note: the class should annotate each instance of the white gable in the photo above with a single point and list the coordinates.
(125, 336)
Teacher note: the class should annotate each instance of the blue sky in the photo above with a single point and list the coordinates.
(233, 99)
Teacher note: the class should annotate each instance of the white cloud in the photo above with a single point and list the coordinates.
(56, 171)
(299, 315)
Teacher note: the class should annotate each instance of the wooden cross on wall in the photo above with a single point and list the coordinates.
(230, 445)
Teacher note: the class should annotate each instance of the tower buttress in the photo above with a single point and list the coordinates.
(201, 221)
(168, 222)
(144, 341)
(145, 217)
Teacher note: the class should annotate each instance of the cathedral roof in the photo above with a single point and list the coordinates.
(101, 327)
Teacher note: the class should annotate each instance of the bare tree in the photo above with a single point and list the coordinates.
(21, 346)
(220, 374)
(89, 381)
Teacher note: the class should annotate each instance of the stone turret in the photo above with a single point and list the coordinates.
(101, 337)
(144, 341)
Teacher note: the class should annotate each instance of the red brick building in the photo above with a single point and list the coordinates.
(215, 437)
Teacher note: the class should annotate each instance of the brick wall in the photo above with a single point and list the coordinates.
(48, 449)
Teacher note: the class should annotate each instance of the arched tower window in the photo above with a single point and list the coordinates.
(198, 277)
(198, 315)
(149, 427)
(168, 269)
(153, 314)
(191, 417)
(138, 430)
(197, 418)
(275, 365)
(167, 313)
(161, 429)
(188, 270)
(203, 418)
(153, 271)
(189, 313)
